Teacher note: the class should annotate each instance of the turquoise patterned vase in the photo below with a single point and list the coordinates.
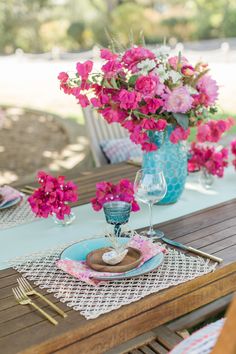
(172, 160)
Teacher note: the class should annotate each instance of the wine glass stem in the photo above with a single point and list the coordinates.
(117, 230)
(150, 205)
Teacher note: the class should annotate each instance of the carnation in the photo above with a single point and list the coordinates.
(178, 101)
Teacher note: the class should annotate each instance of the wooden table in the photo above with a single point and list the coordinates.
(213, 230)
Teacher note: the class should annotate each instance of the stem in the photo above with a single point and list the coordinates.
(117, 230)
(150, 205)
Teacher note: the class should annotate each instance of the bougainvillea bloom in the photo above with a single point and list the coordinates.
(141, 88)
(213, 130)
(233, 150)
(210, 158)
(108, 192)
(52, 196)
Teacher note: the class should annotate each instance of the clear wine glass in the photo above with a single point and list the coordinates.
(149, 188)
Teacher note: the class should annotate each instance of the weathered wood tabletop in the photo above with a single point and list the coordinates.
(212, 230)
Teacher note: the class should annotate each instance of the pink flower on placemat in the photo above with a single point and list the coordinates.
(108, 192)
(53, 196)
(81, 271)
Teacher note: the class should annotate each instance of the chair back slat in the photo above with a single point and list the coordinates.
(98, 130)
(226, 342)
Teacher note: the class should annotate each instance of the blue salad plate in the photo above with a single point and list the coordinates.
(79, 251)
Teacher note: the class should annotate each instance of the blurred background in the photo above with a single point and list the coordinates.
(41, 127)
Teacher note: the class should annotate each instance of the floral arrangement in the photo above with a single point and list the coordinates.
(233, 150)
(208, 157)
(53, 196)
(107, 192)
(145, 90)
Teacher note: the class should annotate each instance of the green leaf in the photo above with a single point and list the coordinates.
(106, 84)
(114, 84)
(182, 120)
(132, 80)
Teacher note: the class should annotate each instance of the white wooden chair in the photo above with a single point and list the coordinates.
(98, 130)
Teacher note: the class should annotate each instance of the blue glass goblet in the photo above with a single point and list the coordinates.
(117, 213)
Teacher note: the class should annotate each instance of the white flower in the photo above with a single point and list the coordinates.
(163, 51)
(146, 65)
(175, 76)
(162, 73)
(192, 90)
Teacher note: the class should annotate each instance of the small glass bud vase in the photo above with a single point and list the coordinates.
(68, 219)
(206, 179)
(117, 213)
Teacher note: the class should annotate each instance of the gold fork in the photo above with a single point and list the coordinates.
(23, 299)
(28, 290)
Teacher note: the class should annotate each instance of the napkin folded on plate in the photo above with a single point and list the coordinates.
(8, 194)
(81, 271)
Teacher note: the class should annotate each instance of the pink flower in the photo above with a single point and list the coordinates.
(210, 159)
(111, 69)
(53, 196)
(113, 114)
(149, 86)
(84, 69)
(152, 105)
(148, 123)
(148, 147)
(208, 91)
(178, 101)
(107, 191)
(178, 134)
(212, 131)
(129, 99)
(63, 77)
(187, 70)
(134, 55)
(107, 54)
(161, 124)
(83, 100)
(233, 147)
(173, 61)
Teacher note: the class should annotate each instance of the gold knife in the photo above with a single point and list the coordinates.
(191, 249)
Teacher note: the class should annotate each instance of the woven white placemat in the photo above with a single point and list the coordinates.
(93, 301)
(17, 215)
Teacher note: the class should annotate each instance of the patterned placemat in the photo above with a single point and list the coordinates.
(92, 301)
(16, 215)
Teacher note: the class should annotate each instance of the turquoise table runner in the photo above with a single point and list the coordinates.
(43, 234)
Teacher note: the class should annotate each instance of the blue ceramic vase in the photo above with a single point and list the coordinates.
(171, 159)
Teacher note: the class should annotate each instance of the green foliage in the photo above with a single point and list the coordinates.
(76, 30)
(40, 25)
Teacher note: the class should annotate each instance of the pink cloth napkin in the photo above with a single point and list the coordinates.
(81, 271)
(8, 194)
